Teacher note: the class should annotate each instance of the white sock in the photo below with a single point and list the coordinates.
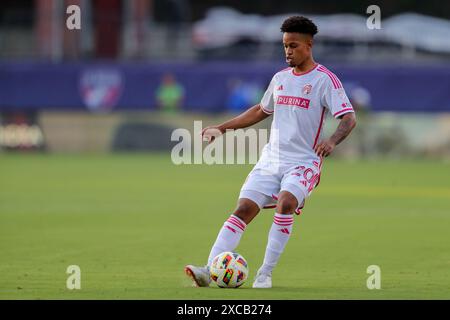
(228, 237)
(278, 237)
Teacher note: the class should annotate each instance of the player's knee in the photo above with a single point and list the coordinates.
(246, 211)
(286, 204)
(286, 207)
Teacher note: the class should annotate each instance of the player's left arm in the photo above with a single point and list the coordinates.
(326, 147)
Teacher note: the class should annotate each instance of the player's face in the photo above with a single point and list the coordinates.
(297, 47)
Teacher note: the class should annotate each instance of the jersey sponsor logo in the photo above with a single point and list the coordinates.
(293, 101)
(307, 89)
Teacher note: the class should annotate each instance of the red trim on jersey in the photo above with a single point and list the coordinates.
(331, 74)
(265, 110)
(336, 82)
(303, 73)
(320, 127)
(343, 110)
(333, 78)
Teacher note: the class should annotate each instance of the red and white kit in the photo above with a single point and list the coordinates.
(299, 103)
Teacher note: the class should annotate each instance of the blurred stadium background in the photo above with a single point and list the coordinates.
(70, 100)
(142, 66)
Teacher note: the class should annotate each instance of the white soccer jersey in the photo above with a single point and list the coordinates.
(299, 104)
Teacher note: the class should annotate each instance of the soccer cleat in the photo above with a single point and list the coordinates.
(199, 275)
(262, 281)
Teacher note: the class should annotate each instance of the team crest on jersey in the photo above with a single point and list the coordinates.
(307, 89)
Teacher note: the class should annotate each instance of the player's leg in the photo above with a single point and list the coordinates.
(255, 194)
(296, 185)
(279, 235)
(231, 232)
(249, 205)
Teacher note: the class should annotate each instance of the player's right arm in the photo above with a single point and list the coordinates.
(246, 119)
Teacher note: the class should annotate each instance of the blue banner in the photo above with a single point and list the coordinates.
(206, 87)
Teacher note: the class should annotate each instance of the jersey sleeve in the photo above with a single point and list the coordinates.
(266, 103)
(335, 99)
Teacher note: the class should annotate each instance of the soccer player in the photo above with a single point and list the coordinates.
(298, 97)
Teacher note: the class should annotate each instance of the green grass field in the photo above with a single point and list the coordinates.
(131, 222)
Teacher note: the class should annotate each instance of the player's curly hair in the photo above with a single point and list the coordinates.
(299, 24)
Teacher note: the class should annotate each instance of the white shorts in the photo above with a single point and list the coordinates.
(267, 180)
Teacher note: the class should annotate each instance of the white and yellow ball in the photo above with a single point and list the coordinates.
(229, 270)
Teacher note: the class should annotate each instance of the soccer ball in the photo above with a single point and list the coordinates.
(229, 270)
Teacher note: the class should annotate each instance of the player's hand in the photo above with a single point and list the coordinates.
(324, 148)
(211, 133)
